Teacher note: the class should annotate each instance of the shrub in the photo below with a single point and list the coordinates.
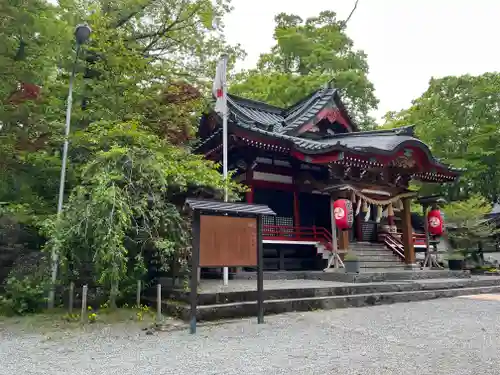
(455, 256)
(350, 257)
(24, 295)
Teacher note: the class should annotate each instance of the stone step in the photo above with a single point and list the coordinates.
(297, 290)
(374, 275)
(368, 248)
(366, 244)
(382, 261)
(382, 265)
(377, 256)
(248, 309)
(372, 252)
(388, 259)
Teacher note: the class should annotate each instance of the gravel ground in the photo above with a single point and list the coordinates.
(448, 336)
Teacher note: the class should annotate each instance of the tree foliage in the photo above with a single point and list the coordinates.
(125, 205)
(458, 118)
(307, 55)
(468, 222)
(138, 93)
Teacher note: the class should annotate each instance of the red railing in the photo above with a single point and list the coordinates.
(419, 239)
(293, 233)
(395, 244)
(323, 236)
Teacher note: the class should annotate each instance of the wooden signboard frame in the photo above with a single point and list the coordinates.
(227, 237)
(228, 241)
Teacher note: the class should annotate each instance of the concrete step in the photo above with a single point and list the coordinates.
(247, 308)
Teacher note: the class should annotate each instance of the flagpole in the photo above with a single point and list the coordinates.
(224, 150)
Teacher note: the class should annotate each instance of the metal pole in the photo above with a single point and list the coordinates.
(224, 154)
(55, 256)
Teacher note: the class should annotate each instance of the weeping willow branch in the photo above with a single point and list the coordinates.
(124, 200)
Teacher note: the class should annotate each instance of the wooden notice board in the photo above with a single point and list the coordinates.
(228, 241)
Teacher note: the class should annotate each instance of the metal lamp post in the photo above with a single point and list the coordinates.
(82, 34)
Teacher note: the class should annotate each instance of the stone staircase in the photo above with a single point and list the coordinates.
(375, 256)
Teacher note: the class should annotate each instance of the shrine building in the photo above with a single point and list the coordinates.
(299, 160)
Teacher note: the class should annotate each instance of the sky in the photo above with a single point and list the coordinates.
(407, 41)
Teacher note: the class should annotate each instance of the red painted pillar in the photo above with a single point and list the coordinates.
(296, 209)
(249, 182)
(249, 195)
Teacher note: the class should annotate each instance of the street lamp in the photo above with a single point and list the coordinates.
(82, 34)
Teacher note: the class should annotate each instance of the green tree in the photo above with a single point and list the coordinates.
(147, 60)
(35, 43)
(125, 205)
(138, 94)
(468, 222)
(458, 118)
(307, 55)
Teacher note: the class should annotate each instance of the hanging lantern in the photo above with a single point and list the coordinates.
(342, 212)
(435, 221)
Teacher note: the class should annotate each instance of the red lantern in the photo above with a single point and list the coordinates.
(435, 221)
(342, 212)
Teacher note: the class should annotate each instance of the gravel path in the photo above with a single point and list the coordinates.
(448, 336)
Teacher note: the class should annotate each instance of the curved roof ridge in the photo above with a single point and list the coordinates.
(408, 130)
(302, 101)
(304, 112)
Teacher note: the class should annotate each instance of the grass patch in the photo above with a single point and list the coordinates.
(58, 320)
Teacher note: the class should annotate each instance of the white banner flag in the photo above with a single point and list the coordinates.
(219, 86)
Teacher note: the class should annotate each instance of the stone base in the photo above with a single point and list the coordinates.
(362, 277)
(413, 267)
(241, 303)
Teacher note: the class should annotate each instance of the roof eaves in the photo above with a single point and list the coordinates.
(203, 142)
(228, 207)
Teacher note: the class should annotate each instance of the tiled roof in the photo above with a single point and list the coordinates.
(307, 109)
(228, 207)
(283, 123)
(281, 120)
(255, 113)
(377, 141)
